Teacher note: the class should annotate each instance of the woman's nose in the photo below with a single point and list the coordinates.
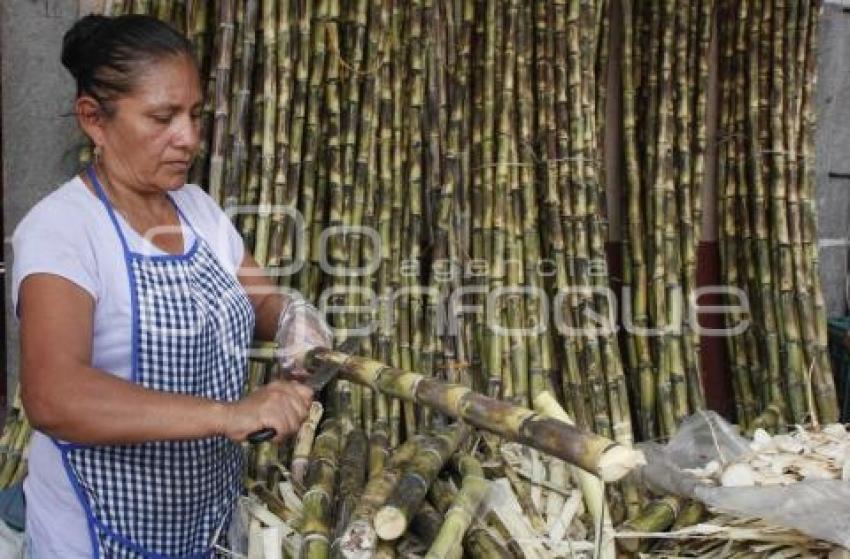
(187, 135)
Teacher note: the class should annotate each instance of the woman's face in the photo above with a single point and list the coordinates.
(152, 136)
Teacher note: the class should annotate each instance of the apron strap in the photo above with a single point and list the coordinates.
(101, 194)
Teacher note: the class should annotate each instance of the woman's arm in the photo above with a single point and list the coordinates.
(266, 297)
(65, 397)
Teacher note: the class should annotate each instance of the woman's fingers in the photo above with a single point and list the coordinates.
(280, 405)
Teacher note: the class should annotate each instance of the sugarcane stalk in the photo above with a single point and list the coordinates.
(359, 539)
(318, 501)
(304, 442)
(658, 516)
(15, 453)
(223, 67)
(392, 519)
(426, 523)
(596, 454)
(692, 513)
(480, 541)
(352, 476)
(459, 517)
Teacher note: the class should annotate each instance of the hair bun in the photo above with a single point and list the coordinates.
(78, 40)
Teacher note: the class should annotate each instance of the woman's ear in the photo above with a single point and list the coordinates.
(90, 117)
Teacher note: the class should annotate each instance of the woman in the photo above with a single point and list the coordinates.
(137, 303)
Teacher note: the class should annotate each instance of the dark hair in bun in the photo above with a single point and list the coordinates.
(106, 54)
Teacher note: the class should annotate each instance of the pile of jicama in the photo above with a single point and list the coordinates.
(785, 459)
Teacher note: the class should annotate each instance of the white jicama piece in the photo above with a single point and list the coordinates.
(835, 430)
(761, 440)
(790, 444)
(738, 475)
(810, 470)
(832, 451)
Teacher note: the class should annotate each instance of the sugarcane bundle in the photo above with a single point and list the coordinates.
(664, 71)
(768, 59)
(13, 443)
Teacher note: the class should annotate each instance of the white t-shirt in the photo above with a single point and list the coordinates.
(69, 234)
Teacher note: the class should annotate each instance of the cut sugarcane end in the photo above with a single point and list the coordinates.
(390, 523)
(618, 461)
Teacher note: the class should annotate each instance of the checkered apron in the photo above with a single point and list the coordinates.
(192, 324)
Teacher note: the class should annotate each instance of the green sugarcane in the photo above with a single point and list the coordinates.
(315, 524)
(359, 539)
(449, 540)
(393, 518)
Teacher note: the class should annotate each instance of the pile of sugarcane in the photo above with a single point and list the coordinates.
(13, 444)
(767, 211)
(350, 495)
(664, 83)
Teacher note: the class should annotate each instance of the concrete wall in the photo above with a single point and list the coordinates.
(39, 139)
(833, 156)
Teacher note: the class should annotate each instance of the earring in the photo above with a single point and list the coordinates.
(98, 154)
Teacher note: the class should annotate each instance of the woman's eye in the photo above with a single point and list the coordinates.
(162, 118)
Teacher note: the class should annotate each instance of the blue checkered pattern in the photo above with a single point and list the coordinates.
(192, 326)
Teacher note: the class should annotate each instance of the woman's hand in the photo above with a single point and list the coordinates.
(281, 405)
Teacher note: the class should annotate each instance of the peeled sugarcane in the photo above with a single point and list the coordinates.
(459, 517)
(359, 539)
(592, 488)
(598, 455)
(392, 519)
(315, 523)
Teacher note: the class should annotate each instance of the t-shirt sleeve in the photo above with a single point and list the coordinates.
(47, 241)
(217, 228)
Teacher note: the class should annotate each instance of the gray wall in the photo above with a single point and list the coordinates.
(39, 143)
(833, 155)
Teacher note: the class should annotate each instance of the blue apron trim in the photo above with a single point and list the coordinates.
(90, 519)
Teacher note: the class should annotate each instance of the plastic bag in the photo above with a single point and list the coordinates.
(820, 509)
(301, 327)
